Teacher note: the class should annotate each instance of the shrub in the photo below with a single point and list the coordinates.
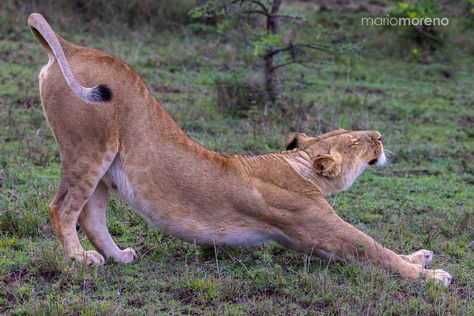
(94, 13)
(237, 96)
(423, 35)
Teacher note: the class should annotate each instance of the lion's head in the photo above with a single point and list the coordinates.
(338, 157)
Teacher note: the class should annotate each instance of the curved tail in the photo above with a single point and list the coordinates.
(46, 36)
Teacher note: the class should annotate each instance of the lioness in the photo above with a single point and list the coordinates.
(117, 136)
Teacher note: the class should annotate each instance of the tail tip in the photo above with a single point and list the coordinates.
(34, 16)
(100, 93)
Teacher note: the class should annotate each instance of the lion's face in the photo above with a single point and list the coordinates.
(340, 156)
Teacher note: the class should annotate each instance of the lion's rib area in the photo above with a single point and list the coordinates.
(179, 217)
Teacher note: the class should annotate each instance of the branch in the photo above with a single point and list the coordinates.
(299, 62)
(276, 51)
(315, 47)
(430, 36)
(261, 5)
(256, 12)
(294, 47)
(286, 64)
(285, 16)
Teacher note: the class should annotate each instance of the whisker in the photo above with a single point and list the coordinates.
(389, 153)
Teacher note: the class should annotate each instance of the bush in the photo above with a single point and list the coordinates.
(237, 96)
(133, 13)
(423, 36)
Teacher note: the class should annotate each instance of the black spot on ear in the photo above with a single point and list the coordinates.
(293, 144)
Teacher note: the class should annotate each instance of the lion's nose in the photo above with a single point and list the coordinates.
(377, 136)
(373, 162)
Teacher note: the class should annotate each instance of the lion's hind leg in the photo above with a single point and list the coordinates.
(79, 179)
(93, 221)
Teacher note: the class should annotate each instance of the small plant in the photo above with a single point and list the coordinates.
(468, 14)
(237, 96)
(205, 286)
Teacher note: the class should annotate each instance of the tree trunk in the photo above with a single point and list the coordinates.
(271, 74)
(271, 79)
(273, 20)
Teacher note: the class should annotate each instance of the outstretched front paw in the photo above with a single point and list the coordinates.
(422, 257)
(441, 276)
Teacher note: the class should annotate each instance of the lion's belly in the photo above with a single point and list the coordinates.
(194, 224)
(228, 236)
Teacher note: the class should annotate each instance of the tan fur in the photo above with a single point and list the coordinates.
(131, 145)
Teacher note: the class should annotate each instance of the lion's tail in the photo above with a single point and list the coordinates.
(46, 36)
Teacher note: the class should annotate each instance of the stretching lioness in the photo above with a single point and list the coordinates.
(116, 135)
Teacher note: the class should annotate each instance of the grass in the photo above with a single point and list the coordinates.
(423, 200)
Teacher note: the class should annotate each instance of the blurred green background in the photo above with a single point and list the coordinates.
(414, 85)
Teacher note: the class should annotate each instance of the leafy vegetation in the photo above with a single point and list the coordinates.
(422, 36)
(422, 200)
(258, 25)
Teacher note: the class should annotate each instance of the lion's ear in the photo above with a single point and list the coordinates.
(327, 165)
(293, 140)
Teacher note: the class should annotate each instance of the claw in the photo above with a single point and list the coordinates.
(126, 256)
(443, 277)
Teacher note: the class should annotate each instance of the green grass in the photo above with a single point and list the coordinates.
(424, 199)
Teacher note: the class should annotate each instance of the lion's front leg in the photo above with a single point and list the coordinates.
(346, 241)
(323, 229)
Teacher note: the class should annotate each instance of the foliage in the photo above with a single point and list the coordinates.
(423, 35)
(238, 95)
(154, 15)
(258, 25)
(469, 14)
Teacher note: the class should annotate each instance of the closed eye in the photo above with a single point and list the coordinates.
(355, 141)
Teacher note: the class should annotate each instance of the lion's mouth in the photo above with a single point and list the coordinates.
(379, 161)
(373, 162)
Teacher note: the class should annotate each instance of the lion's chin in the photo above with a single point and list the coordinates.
(382, 159)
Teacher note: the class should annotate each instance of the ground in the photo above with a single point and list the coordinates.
(423, 199)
